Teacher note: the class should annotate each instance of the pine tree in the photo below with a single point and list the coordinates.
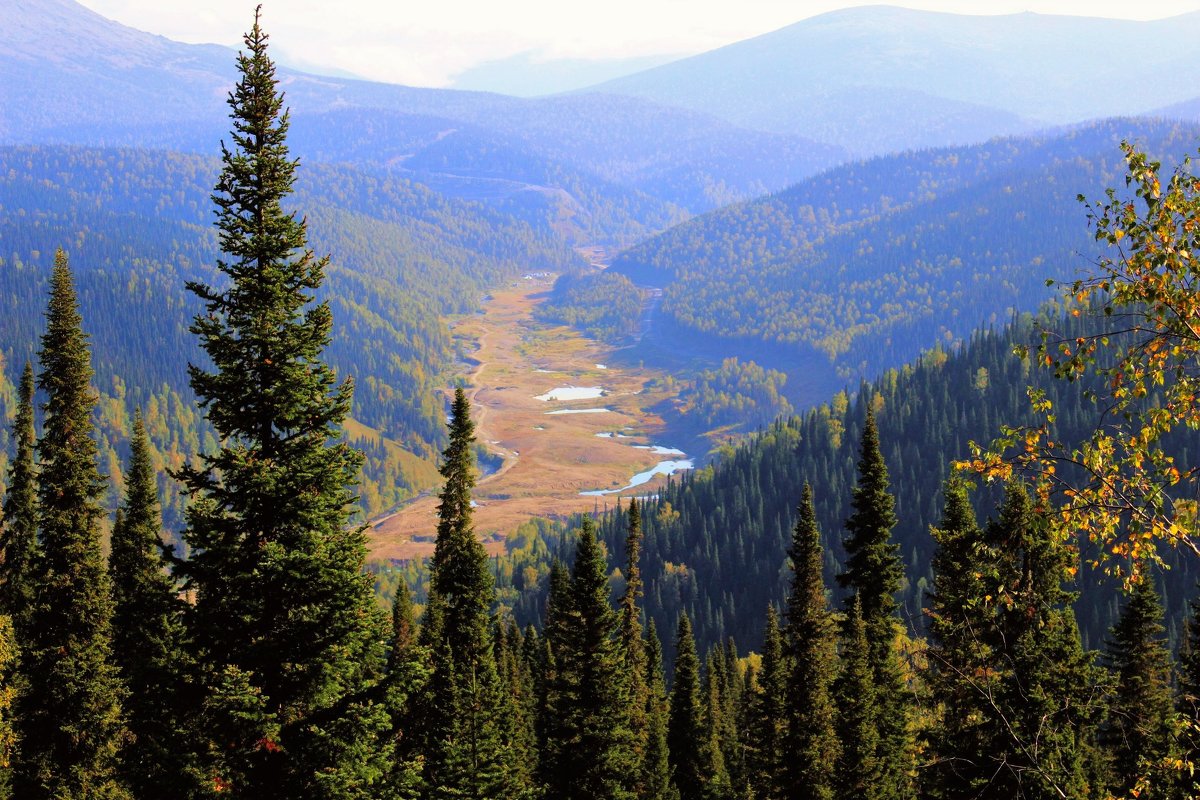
(466, 755)
(148, 634)
(685, 730)
(873, 573)
(1138, 731)
(284, 615)
(769, 719)
(71, 723)
(858, 773)
(810, 641)
(633, 653)
(656, 768)
(19, 542)
(587, 704)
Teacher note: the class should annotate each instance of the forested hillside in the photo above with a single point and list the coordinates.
(865, 266)
(715, 541)
(137, 224)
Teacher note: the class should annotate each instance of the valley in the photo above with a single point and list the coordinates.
(570, 427)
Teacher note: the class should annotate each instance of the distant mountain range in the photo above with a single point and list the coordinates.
(70, 76)
(880, 78)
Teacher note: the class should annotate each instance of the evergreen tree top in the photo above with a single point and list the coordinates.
(873, 569)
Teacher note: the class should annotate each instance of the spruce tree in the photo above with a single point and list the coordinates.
(466, 755)
(873, 574)
(858, 774)
(656, 767)
(873, 569)
(289, 633)
(1137, 734)
(404, 634)
(148, 634)
(19, 537)
(685, 730)
(718, 785)
(960, 675)
(769, 719)
(588, 735)
(633, 653)
(810, 643)
(71, 723)
(1044, 704)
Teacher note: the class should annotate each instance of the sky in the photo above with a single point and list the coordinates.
(430, 42)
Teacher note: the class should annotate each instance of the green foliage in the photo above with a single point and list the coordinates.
(862, 267)
(1137, 733)
(810, 641)
(603, 305)
(148, 635)
(686, 736)
(287, 630)
(466, 716)
(634, 668)
(71, 723)
(19, 541)
(743, 396)
(859, 772)
(587, 728)
(656, 770)
(959, 609)
(769, 719)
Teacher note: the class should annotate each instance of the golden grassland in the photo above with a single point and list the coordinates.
(547, 460)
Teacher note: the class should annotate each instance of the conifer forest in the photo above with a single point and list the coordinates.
(935, 535)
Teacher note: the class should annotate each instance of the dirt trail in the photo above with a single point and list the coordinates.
(548, 459)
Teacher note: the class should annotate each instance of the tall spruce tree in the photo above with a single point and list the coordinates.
(873, 574)
(589, 734)
(961, 676)
(810, 643)
(148, 634)
(718, 784)
(1137, 733)
(633, 654)
(290, 636)
(858, 774)
(466, 755)
(19, 537)
(769, 719)
(686, 737)
(71, 723)
(1045, 704)
(656, 767)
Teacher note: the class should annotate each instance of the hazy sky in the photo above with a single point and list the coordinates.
(428, 42)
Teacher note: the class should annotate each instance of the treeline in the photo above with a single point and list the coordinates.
(602, 305)
(999, 699)
(868, 264)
